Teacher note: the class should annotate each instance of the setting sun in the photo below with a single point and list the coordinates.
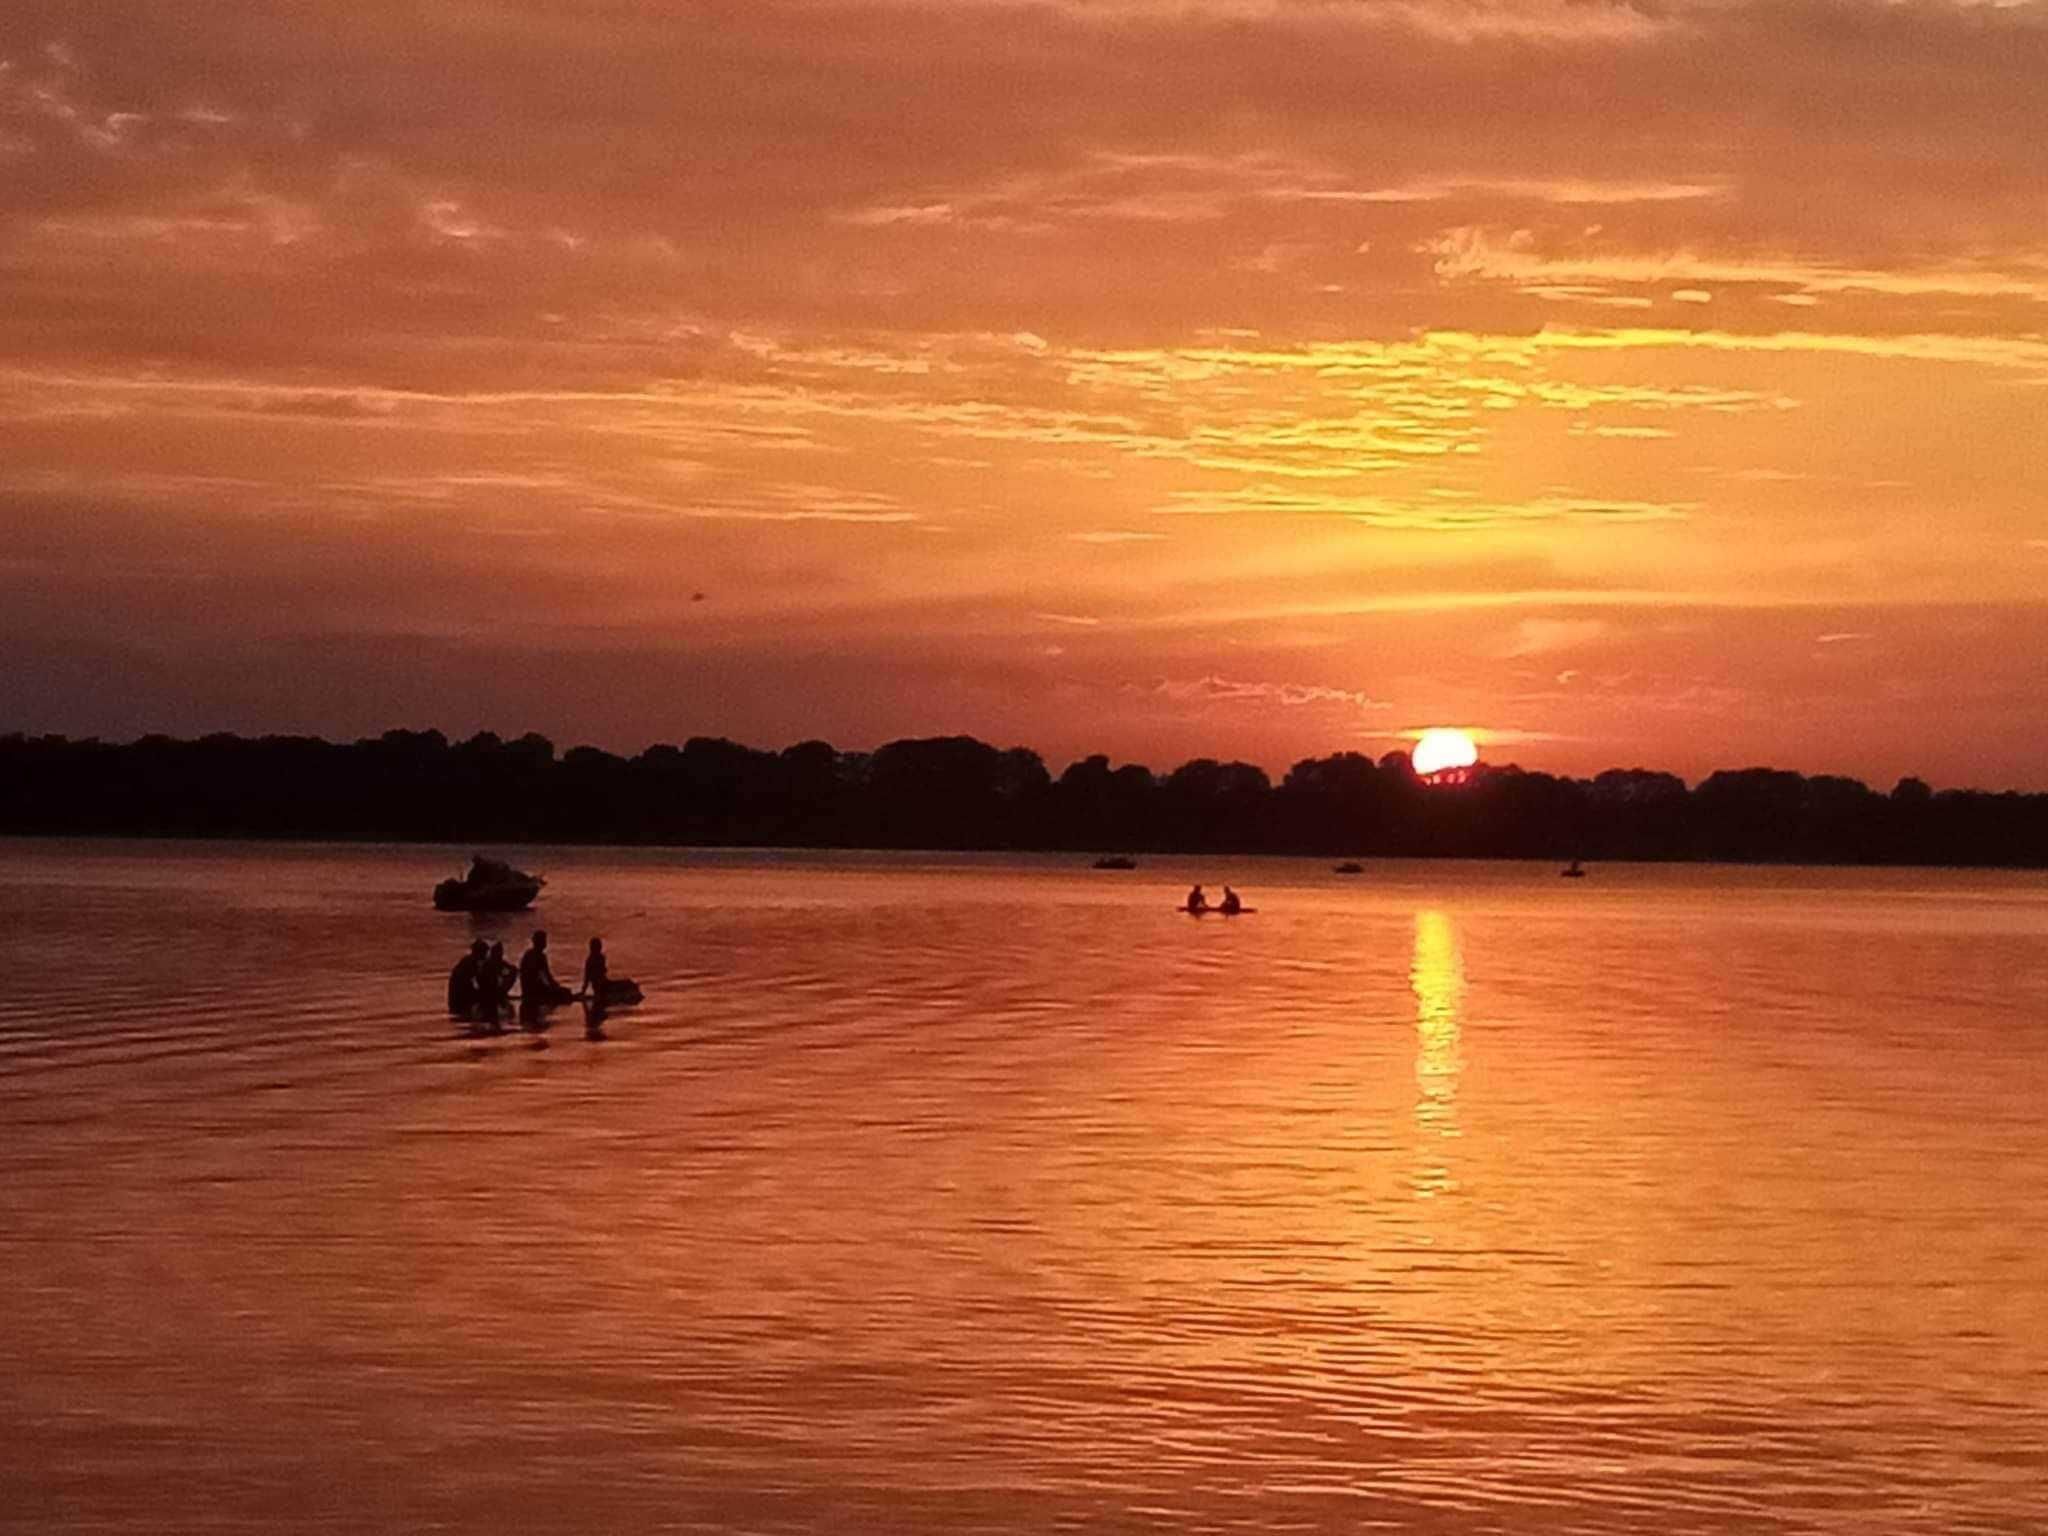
(1442, 749)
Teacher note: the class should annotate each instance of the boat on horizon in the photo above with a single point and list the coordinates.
(490, 886)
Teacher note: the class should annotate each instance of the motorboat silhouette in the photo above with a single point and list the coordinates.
(490, 886)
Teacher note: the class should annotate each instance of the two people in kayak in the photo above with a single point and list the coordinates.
(1230, 906)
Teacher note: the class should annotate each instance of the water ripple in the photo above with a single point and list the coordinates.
(978, 1195)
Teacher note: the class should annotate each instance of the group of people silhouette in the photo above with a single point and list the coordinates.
(480, 986)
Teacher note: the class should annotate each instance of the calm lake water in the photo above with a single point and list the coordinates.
(936, 1194)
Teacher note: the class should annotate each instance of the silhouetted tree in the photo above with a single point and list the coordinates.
(1096, 806)
(1208, 805)
(956, 792)
(1334, 805)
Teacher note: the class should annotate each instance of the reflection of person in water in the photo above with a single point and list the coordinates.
(1197, 902)
(465, 982)
(1231, 905)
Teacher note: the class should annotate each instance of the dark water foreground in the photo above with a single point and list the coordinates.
(984, 1196)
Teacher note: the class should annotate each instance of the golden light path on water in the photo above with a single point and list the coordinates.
(1438, 976)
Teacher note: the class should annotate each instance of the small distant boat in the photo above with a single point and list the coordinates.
(1116, 861)
(490, 886)
(1347, 868)
(1573, 871)
(1216, 911)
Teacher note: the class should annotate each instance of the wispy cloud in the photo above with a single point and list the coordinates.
(1438, 517)
(1544, 637)
(1225, 690)
(1517, 256)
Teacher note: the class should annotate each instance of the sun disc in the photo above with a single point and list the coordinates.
(1440, 749)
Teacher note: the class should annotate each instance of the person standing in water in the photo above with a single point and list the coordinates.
(596, 984)
(465, 982)
(493, 981)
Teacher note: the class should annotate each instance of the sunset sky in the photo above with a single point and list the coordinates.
(1660, 384)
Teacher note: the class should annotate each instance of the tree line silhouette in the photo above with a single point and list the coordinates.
(959, 793)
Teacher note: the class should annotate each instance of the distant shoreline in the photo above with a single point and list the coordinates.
(957, 794)
(465, 847)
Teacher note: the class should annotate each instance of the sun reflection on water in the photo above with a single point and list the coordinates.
(1438, 978)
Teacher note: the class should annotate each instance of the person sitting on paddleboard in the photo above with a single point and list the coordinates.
(537, 982)
(1231, 905)
(1197, 902)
